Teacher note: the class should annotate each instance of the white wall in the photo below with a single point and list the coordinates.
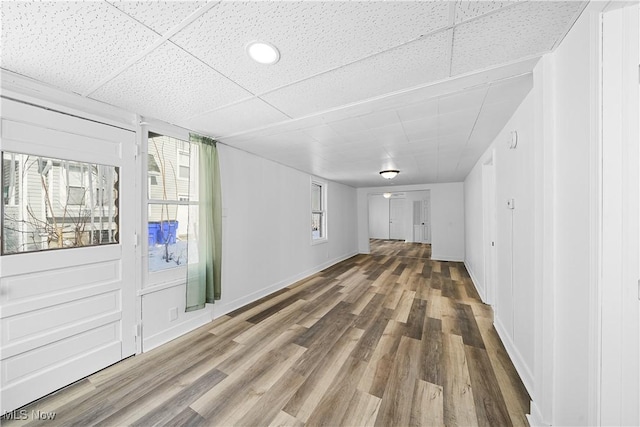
(514, 290)
(447, 218)
(573, 82)
(548, 314)
(266, 227)
(473, 225)
(378, 217)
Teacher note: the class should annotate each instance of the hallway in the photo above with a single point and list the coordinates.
(374, 340)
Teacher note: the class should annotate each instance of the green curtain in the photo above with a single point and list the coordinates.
(204, 273)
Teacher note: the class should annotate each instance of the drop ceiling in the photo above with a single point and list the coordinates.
(361, 86)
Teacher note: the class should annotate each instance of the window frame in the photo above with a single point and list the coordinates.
(324, 237)
(171, 276)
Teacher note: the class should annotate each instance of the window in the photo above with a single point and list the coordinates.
(57, 208)
(183, 164)
(10, 180)
(172, 200)
(318, 211)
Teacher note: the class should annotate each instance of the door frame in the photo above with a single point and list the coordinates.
(618, 339)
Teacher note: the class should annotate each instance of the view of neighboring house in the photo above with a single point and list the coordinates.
(53, 203)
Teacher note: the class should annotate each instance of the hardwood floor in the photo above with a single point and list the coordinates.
(387, 339)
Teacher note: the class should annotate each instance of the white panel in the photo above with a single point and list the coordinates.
(470, 99)
(425, 60)
(30, 139)
(25, 113)
(243, 116)
(58, 376)
(170, 84)
(23, 326)
(460, 122)
(22, 365)
(419, 110)
(380, 119)
(12, 265)
(68, 44)
(313, 37)
(160, 16)
(525, 29)
(16, 288)
(514, 89)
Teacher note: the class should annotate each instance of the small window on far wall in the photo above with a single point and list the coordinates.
(318, 211)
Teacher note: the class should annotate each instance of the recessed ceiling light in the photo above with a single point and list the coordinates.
(389, 174)
(386, 195)
(263, 52)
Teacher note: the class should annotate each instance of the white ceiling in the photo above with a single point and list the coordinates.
(361, 85)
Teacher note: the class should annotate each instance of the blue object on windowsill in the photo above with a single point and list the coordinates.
(161, 232)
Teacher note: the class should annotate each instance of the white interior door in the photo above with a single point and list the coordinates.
(396, 219)
(489, 229)
(425, 220)
(66, 313)
(422, 221)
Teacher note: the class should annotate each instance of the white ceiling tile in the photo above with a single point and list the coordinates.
(421, 110)
(412, 149)
(250, 114)
(160, 16)
(313, 37)
(525, 29)
(421, 129)
(71, 45)
(416, 63)
(510, 89)
(466, 100)
(460, 122)
(393, 133)
(347, 126)
(380, 119)
(323, 133)
(170, 85)
(469, 9)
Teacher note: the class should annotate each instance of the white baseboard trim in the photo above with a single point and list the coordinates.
(438, 257)
(474, 280)
(220, 309)
(535, 418)
(516, 357)
(180, 329)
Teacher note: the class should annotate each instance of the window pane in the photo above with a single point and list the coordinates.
(61, 208)
(167, 232)
(316, 197)
(317, 231)
(168, 161)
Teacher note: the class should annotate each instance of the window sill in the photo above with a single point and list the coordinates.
(318, 241)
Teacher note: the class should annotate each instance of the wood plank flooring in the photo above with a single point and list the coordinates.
(387, 339)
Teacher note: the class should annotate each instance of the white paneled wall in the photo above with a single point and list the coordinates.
(549, 294)
(513, 305)
(267, 227)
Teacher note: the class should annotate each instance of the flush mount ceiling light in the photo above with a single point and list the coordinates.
(263, 52)
(389, 174)
(386, 195)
